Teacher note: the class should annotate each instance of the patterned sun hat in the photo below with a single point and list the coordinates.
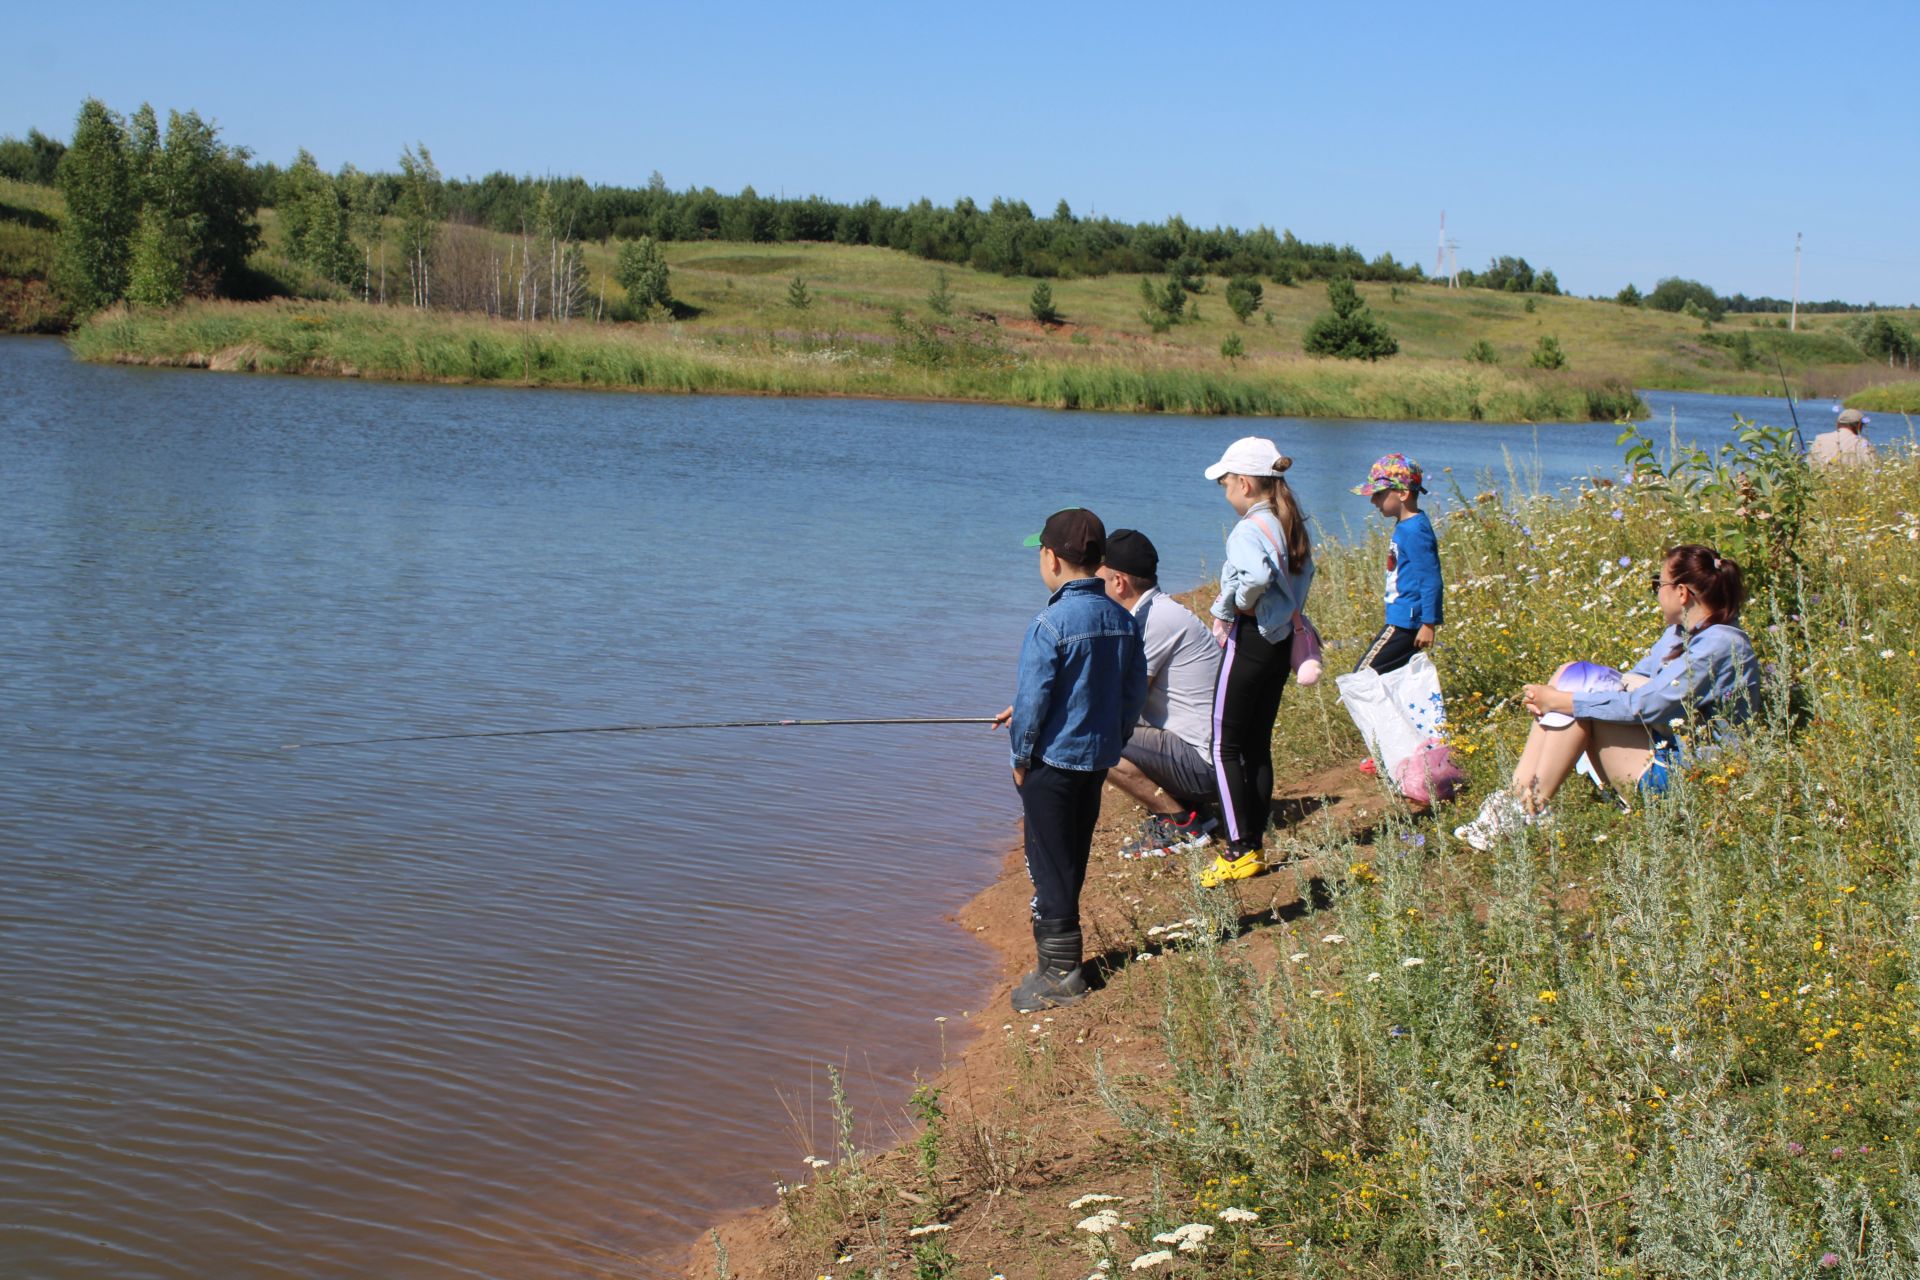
(1395, 471)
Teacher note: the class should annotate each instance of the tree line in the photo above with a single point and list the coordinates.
(186, 219)
(1677, 293)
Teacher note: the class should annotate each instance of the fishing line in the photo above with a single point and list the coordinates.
(641, 728)
(1797, 438)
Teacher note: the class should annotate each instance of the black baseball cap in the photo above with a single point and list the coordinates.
(1132, 552)
(1075, 535)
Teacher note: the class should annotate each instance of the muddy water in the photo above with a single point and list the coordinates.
(517, 1007)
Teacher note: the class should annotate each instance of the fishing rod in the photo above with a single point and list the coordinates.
(641, 728)
(1797, 438)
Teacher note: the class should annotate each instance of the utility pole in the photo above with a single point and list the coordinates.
(1793, 320)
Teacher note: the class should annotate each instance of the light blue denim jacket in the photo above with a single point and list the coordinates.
(1714, 677)
(1083, 681)
(1255, 576)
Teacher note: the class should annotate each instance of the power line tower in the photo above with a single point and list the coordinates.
(1446, 259)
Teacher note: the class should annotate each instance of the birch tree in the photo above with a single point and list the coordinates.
(422, 206)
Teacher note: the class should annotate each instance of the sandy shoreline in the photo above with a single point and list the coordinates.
(1000, 1200)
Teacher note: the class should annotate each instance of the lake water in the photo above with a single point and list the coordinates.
(526, 1006)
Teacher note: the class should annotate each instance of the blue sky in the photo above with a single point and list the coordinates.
(1612, 143)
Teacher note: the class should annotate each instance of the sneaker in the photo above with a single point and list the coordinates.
(1192, 823)
(1176, 826)
(1243, 867)
(1499, 813)
(1161, 835)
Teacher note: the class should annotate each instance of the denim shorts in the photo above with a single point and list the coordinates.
(1667, 759)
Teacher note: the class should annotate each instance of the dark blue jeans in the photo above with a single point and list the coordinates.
(1062, 806)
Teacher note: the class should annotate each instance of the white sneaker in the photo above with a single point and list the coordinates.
(1499, 814)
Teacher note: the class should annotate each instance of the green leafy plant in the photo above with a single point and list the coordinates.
(1748, 499)
(1233, 348)
(1548, 355)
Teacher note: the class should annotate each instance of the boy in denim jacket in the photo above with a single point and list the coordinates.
(1083, 684)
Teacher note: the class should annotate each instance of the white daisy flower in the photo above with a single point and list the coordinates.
(1092, 1197)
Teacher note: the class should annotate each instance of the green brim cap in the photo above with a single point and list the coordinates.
(1034, 541)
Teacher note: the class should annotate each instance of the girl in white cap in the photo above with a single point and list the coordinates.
(1263, 584)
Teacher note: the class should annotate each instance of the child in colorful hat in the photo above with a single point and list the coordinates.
(1414, 587)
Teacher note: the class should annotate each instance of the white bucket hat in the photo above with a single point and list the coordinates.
(1247, 456)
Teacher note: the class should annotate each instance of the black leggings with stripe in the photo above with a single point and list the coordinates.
(1246, 701)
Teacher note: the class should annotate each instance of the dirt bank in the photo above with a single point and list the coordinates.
(1024, 1131)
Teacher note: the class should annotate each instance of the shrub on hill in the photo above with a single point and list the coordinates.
(1350, 331)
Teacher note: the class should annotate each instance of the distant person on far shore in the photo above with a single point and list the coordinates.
(1844, 445)
(1082, 683)
(1167, 764)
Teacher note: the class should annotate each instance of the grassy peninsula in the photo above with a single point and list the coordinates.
(986, 361)
(1674, 1042)
(868, 329)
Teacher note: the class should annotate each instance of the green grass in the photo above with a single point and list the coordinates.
(1899, 396)
(29, 229)
(979, 362)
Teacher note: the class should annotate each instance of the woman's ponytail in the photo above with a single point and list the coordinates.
(1278, 494)
(1714, 579)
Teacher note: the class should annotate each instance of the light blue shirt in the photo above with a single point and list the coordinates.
(1715, 676)
(1255, 576)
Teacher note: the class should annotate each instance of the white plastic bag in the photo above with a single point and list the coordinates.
(1398, 714)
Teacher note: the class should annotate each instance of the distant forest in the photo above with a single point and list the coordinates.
(334, 221)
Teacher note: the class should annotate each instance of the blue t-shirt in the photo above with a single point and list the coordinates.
(1414, 589)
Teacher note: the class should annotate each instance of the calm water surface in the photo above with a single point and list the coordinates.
(523, 1007)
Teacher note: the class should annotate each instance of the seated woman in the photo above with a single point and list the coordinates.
(1701, 669)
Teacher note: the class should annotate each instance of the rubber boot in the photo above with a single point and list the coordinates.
(1057, 978)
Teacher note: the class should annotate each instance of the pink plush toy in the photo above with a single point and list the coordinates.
(1306, 651)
